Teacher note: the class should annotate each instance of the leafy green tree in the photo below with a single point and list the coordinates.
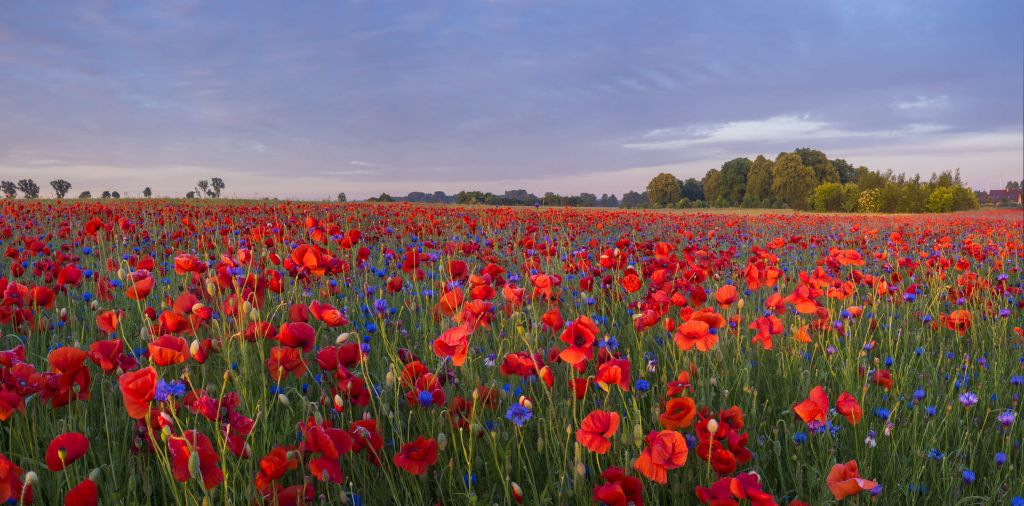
(202, 188)
(217, 184)
(792, 181)
(734, 180)
(147, 192)
(588, 200)
(964, 199)
(1012, 185)
(713, 190)
(85, 195)
(759, 183)
(60, 187)
(941, 200)
(824, 171)
(9, 188)
(115, 195)
(845, 171)
(827, 197)
(632, 200)
(29, 188)
(341, 197)
(664, 190)
(190, 195)
(693, 189)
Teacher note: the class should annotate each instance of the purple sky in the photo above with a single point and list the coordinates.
(306, 99)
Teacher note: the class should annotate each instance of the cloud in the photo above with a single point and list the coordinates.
(923, 102)
(785, 128)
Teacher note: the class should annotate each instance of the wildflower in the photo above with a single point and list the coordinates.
(518, 414)
(968, 399)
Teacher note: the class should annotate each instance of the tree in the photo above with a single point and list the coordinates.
(202, 188)
(845, 171)
(60, 187)
(29, 188)
(759, 183)
(734, 180)
(941, 200)
(9, 188)
(632, 199)
(189, 195)
(147, 192)
(85, 195)
(664, 190)
(964, 199)
(105, 194)
(115, 195)
(1012, 185)
(693, 189)
(827, 197)
(713, 190)
(792, 181)
(218, 185)
(341, 197)
(588, 200)
(824, 171)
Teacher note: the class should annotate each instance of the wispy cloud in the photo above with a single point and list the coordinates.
(785, 128)
(922, 102)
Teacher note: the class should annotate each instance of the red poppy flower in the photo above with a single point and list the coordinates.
(11, 486)
(194, 443)
(678, 413)
(283, 361)
(844, 480)
(83, 494)
(665, 450)
(597, 429)
(138, 389)
(613, 372)
(454, 343)
(726, 296)
(619, 489)
(417, 456)
(848, 406)
(297, 335)
(65, 449)
(107, 321)
(695, 333)
(272, 467)
(580, 337)
(168, 350)
(814, 408)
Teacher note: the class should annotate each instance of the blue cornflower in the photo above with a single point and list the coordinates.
(426, 398)
(518, 414)
(800, 437)
(642, 385)
(968, 476)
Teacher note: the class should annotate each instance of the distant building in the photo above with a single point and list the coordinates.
(999, 197)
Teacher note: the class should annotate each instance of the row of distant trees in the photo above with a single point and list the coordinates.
(509, 198)
(30, 190)
(807, 179)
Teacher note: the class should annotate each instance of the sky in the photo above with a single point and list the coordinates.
(308, 99)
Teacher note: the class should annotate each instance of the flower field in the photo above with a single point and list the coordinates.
(169, 352)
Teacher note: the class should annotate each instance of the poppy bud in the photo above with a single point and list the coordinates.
(739, 304)
(246, 306)
(254, 315)
(31, 478)
(712, 426)
(442, 442)
(477, 429)
(339, 402)
(389, 379)
(193, 465)
(638, 435)
(194, 347)
(283, 399)
(540, 444)
(525, 402)
(342, 338)
(95, 475)
(517, 492)
(211, 288)
(63, 313)
(94, 305)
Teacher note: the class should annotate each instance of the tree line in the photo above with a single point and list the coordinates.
(806, 179)
(30, 190)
